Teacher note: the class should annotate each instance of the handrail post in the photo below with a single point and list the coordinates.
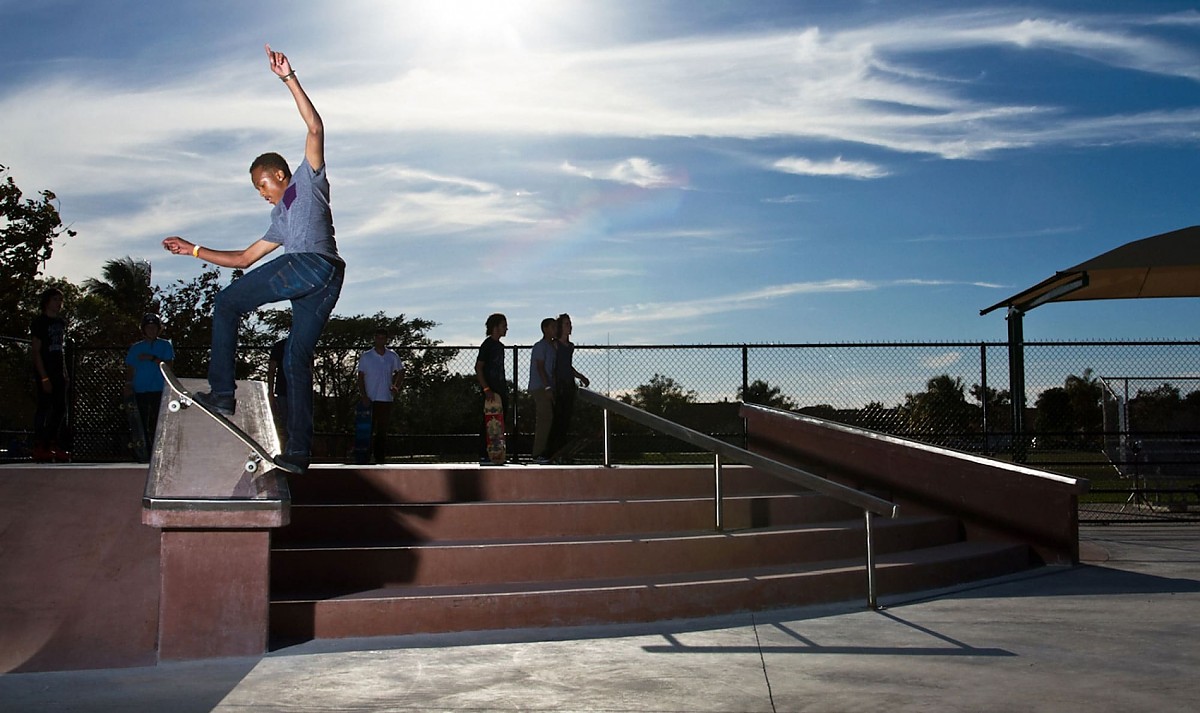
(718, 498)
(872, 600)
(607, 452)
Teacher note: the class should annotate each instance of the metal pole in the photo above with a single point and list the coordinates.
(515, 429)
(718, 498)
(872, 600)
(1016, 381)
(607, 452)
(984, 398)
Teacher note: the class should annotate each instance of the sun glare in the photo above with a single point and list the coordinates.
(479, 23)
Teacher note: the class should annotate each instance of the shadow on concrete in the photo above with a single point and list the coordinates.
(184, 687)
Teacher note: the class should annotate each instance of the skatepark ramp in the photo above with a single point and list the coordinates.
(114, 566)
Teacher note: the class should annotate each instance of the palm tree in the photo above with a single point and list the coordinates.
(126, 285)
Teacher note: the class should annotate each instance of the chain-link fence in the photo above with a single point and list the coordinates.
(952, 394)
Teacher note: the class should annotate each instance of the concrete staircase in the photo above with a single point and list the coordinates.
(403, 549)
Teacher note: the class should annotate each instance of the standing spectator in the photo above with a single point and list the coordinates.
(564, 386)
(489, 370)
(277, 389)
(541, 388)
(48, 333)
(380, 376)
(143, 378)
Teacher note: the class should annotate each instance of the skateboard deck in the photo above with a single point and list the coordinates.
(362, 432)
(493, 426)
(259, 457)
(137, 436)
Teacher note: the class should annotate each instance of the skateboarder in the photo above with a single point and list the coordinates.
(309, 273)
(143, 380)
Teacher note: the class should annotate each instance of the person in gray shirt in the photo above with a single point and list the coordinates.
(309, 273)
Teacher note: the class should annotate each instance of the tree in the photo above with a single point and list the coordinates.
(186, 309)
(1156, 409)
(662, 396)
(1086, 395)
(760, 392)
(941, 408)
(1053, 418)
(998, 405)
(111, 309)
(28, 229)
(126, 285)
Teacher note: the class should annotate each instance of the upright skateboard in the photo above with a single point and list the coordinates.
(259, 457)
(493, 426)
(137, 435)
(362, 432)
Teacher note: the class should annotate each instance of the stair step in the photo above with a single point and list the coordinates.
(468, 483)
(339, 570)
(399, 610)
(390, 524)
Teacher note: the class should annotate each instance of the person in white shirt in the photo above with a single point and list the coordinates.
(380, 376)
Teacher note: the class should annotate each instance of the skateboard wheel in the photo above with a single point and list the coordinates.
(251, 466)
(173, 406)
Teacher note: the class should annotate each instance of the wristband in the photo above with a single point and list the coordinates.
(45, 379)
(288, 76)
(196, 251)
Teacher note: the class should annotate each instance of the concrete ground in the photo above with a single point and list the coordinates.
(1120, 633)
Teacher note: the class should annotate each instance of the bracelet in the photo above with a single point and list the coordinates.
(45, 379)
(196, 251)
(288, 76)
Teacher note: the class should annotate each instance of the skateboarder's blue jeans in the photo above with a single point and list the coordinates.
(313, 285)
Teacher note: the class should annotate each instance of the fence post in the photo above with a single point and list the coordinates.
(607, 452)
(984, 398)
(718, 498)
(516, 424)
(872, 599)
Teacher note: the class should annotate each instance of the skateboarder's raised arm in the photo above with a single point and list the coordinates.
(314, 144)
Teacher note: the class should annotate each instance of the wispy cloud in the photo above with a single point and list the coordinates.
(837, 167)
(752, 299)
(634, 171)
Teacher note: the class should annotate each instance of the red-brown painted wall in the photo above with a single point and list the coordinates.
(79, 572)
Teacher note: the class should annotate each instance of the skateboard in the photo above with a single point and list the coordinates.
(493, 426)
(362, 432)
(137, 436)
(259, 457)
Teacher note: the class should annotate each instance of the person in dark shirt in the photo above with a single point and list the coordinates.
(564, 387)
(47, 343)
(489, 370)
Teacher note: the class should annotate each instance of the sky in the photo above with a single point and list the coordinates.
(691, 172)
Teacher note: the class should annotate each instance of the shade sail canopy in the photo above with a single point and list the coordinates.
(1166, 265)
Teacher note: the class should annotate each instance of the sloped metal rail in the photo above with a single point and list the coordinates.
(870, 504)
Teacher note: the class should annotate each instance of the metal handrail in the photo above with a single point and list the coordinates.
(870, 504)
